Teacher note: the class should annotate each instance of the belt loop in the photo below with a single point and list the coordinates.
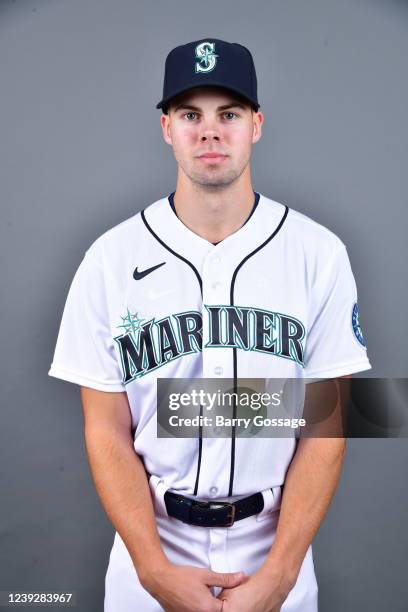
(271, 502)
(158, 489)
(277, 498)
(268, 501)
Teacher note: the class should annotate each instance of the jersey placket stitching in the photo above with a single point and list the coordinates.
(234, 350)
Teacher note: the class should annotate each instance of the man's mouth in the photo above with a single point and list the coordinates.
(213, 156)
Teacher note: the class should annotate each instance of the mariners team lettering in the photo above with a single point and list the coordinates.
(147, 345)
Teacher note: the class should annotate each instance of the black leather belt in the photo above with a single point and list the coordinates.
(212, 513)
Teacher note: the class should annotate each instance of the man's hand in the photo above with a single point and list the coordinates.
(182, 588)
(261, 592)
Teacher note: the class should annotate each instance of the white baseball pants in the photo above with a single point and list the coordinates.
(242, 547)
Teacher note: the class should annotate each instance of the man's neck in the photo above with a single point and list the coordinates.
(213, 214)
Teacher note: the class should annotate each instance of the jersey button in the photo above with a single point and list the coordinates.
(216, 285)
(218, 370)
(215, 259)
(213, 491)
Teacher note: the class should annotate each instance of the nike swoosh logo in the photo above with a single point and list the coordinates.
(138, 275)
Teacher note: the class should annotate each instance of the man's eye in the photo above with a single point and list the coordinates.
(229, 115)
(191, 115)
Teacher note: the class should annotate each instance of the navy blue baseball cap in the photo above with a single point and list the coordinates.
(209, 62)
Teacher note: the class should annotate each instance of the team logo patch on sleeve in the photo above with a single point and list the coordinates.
(356, 325)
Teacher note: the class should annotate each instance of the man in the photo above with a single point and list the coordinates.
(215, 281)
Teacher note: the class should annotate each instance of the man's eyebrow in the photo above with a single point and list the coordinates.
(219, 108)
(232, 105)
(187, 107)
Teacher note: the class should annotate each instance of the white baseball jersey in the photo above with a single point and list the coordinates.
(274, 300)
(277, 298)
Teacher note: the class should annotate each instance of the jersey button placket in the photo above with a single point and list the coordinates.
(213, 295)
(215, 365)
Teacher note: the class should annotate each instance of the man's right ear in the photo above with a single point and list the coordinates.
(165, 125)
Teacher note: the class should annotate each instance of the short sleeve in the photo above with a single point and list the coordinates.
(84, 352)
(335, 344)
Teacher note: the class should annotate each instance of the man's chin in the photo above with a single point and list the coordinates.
(214, 181)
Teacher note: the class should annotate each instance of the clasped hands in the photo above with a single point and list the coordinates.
(180, 588)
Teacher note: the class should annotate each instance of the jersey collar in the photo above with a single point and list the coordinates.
(259, 226)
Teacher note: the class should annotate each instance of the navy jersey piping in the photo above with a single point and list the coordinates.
(256, 201)
(200, 282)
(234, 350)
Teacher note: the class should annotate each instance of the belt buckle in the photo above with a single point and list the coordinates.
(231, 511)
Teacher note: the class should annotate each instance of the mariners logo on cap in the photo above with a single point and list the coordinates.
(356, 325)
(207, 59)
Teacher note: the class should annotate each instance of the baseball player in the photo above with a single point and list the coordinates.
(214, 281)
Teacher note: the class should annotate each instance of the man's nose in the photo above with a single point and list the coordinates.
(209, 135)
(209, 132)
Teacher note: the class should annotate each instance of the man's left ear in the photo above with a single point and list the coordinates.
(257, 126)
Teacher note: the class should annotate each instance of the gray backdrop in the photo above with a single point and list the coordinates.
(81, 150)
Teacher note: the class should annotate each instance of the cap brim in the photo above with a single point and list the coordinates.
(165, 101)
